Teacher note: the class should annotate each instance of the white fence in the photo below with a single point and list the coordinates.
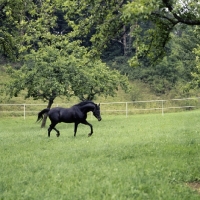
(125, 108)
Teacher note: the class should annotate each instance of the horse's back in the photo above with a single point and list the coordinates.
(68, 115)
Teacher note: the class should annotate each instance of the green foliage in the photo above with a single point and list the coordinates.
(56, 64)
(195, 82)
(164, 17)
(6, 44)
(151, 26)
(13, 16)
(96, 80)
(154, 158)
(82, 30)
(29, 22)
(176, 66)
(174, 69)
(44, 75)
(49, 73)
(100, 20)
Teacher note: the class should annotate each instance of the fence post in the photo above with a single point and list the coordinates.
(126, 109)
(24, 111)
(162, 108)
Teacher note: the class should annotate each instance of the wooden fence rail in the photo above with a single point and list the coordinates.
(125, 108)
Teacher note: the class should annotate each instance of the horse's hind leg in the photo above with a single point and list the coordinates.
(58, 133)
(52, 126)
(49, 130)
(75, 128)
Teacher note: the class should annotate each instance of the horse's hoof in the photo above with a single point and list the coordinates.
(90, 134)
(57, 135)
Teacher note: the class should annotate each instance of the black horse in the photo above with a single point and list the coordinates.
(76, 114)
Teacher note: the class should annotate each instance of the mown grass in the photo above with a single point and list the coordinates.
(139, 157)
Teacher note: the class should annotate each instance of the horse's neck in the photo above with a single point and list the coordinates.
(87, 108)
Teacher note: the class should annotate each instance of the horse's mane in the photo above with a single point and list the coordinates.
(83, 103)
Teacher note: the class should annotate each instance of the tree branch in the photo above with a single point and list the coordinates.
(165, 17)
(180, 18)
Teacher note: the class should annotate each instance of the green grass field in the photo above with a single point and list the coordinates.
(139, 157)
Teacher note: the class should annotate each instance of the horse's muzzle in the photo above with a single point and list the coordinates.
(99, 119)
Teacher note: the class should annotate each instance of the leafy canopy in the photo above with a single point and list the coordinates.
(55, 64)
(49, 73)
(103, 21)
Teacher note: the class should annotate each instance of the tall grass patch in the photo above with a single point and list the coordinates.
(138, 157)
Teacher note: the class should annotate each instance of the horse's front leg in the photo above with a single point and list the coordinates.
(90, 125)
(75, 128)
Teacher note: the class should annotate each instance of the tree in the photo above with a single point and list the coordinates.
(44, 76)
(104, 21)
(48, 73)
(164, 15)
(28, 23)
(9, 17)
(96, 23)
(195, 82)
(96, 79)
(53, 62)
(6, 44)
(151, 24)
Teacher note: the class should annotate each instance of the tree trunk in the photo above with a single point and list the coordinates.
(45, 115)
(124, 41)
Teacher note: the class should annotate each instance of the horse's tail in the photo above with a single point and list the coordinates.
(41, 113)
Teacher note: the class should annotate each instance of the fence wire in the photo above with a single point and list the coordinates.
(109, 108)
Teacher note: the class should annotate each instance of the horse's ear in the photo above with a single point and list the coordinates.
(99, 105)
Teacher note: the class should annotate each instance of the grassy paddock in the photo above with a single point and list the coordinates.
(139, 157)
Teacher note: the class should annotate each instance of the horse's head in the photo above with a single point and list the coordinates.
(96, 112)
